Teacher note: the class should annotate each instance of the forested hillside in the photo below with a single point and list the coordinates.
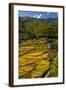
(30, 28)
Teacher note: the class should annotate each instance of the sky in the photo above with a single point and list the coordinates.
(38, 14)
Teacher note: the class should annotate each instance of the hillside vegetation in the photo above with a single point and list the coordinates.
(30, 28)
(38, 47)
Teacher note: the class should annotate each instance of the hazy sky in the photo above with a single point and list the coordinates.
(38, 14)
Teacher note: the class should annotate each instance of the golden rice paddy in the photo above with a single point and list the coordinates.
(33, 59)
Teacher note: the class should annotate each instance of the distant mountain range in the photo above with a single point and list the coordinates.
(39, 19)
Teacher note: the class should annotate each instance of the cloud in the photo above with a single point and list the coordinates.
(37, 16)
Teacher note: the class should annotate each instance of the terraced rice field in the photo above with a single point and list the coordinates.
(34, 60)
